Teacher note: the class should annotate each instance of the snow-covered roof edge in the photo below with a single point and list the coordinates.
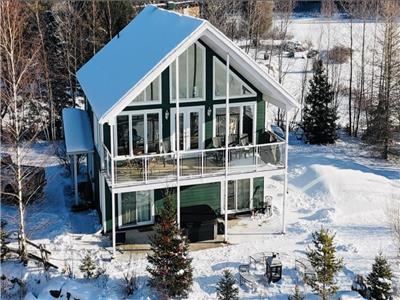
(77, 131)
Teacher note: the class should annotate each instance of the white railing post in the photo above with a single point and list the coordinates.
(177, 130)
(226, 147)
(114, 235)
(202, 163)
(285, 185)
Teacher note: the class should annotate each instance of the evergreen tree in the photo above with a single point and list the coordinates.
(297, 295)
(88, 266)
(326, 265)
(380, 279)
(319, 111)
(4, 240)
(170, 270)
(226, 289)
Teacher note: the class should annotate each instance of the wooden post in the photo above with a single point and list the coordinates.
(226, 147)
(177, 135)
(285, 184)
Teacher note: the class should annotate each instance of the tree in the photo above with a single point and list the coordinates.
(19, 76)
(88, 266)
(226, 289)
(380, 279)
(297, 295)
(323, 259)
(319, 111)
(170, 270)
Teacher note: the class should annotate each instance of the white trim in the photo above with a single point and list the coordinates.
(152, 211)
(186, 110)
(102, 192)
(216, 60)
(198, 99)
(138, 113)
(241, 105)
(169, 183)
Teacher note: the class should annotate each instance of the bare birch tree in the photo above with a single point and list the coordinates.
(19, 75)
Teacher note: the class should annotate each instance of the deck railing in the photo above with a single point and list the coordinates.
(196, 163)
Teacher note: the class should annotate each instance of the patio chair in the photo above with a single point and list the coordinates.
(165, 149)
(245, 277)
(244, 139)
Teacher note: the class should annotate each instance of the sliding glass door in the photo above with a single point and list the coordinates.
(239, 195)
(136, 208)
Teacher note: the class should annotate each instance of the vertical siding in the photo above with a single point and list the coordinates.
(107, 136)
(165, 93)
(258, 192)
(260, 122)
(108, 211)
(202, 194)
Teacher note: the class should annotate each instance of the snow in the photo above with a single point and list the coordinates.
(338, 186)
(119, 66)
(77, 131)
(341, 187)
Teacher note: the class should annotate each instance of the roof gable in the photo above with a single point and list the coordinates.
(120, 65)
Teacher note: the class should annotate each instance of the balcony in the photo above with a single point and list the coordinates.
(194, 163)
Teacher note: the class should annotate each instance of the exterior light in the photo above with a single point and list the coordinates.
(209, 111)
(166, 114)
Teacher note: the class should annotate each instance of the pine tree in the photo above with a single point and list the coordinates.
(88, 266)
(170, 270)
(226, 289)
(380, 279)
(326, 265)
(319, 111)
(297, 295)
(4, 240)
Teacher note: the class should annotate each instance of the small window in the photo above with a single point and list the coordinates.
(123, 135)
(152, 93)
(237, 87)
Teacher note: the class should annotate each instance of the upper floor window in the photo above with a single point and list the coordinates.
(237, 87)
(191, 71)
(151, 94)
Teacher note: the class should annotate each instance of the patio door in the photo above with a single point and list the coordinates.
(239, 195)
(191, 122)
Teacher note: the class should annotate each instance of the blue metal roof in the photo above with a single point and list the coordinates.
(129, 56)
(77, 131)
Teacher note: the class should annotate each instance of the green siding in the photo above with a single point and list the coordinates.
(201, 194)
(108, 207)
(260, 122)
(258, 192)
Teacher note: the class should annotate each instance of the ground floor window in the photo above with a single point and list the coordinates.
(136, 208)
(239, 195)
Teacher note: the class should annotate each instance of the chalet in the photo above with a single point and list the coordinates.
(214, 157)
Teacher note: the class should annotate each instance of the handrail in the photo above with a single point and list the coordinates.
(148, 155)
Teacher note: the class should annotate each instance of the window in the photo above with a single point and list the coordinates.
(151, 94)
(123, 135)
(138, 133)
(237, 88)
(191, 74)
(239, 195)
(241, 123)
(136, 208)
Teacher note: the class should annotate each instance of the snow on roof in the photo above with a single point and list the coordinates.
(132, 54)
(77, 131)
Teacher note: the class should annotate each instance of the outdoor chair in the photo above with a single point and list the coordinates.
(245, 277)
(165, 149)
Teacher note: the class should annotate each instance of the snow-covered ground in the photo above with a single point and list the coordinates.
(339, 187)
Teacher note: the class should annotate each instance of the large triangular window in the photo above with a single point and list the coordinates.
(237, 87)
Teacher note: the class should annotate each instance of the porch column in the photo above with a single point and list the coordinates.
(76, 180)
(226, 147)
(112, 187)
(285, 184)
(177, 137)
